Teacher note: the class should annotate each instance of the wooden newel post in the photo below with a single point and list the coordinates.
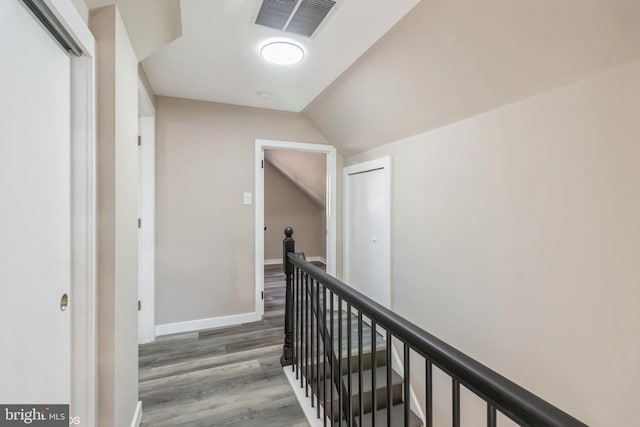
(288, 246)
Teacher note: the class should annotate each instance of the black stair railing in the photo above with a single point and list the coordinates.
(315, 300)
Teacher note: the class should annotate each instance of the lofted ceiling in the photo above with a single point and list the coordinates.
(216, 59)
(377, 71)
(448, 60)
(307, 171)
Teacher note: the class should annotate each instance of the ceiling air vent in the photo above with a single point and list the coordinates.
(294, 16)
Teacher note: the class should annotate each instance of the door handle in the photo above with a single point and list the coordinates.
(64, 302)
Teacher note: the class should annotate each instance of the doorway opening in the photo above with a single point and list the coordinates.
(146, 215)
(318, 227)
(295, 196)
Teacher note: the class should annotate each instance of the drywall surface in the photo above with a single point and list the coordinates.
(82, 9)
(145, 82)
(117, 130)
(286, 205)
(446, 61)
(515, 238)
(205, 244)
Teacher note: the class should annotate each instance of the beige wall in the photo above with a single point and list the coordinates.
(285, 204)
(145, 82)
(117, 123)
(446, 61)
(204, 234)
(515, 238)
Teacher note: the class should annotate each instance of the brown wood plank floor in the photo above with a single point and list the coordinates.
(223, 377)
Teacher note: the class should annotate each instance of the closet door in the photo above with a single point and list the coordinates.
(35, 217)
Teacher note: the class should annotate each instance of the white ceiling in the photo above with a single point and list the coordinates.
(217, 58)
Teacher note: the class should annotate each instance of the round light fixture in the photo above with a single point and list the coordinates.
(282, 52)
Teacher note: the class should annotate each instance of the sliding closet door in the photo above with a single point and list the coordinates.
(35, 218)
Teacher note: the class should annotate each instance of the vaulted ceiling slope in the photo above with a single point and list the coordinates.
(448, 60)
(307, 171)
(151, 24)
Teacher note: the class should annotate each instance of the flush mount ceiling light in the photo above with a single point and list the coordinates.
(282, 52)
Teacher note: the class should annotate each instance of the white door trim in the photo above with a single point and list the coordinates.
(146, 247)
(83, 211)
(382, 163)
(330, 151)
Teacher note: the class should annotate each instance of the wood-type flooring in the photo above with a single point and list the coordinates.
(221, 377)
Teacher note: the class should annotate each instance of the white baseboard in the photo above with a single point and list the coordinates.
(137, 416)
(303, 401)
(213, 322)
(278, 261)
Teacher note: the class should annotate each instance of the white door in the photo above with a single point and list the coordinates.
(141, 323)
(35, 217)
(367, 229)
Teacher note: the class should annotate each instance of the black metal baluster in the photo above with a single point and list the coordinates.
(313, 367)
(360, 368)
(296, 335)
(491, 415)
(349, 392)
(429, 392)
(374, 367)
(325, 360)
(407, 385)
(306, 335)
(324, 323)
(294, 324)
(389, 384)
(340, 396)
(332, 359)
(302, 326)
(456, 402)
(304, 331)
(316, 373)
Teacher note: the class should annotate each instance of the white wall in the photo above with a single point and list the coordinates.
(117, 122)
(515, 238)
(204, 233)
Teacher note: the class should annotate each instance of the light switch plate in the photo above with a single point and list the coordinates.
(247, 198)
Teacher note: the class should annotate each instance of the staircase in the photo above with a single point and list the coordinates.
(345, 365)
(327, 395)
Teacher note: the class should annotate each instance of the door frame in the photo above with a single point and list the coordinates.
(331, 210)
(83, 214)
(383, 163)
(146, 233)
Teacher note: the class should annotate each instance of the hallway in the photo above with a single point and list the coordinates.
(223, 377)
